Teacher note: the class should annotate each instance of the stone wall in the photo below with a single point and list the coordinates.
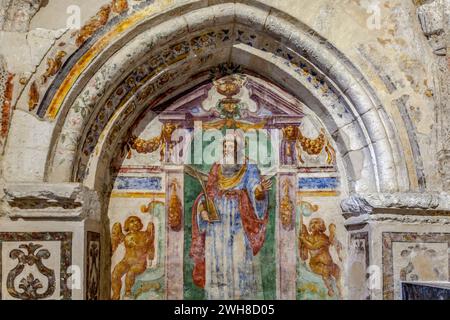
(76, 76)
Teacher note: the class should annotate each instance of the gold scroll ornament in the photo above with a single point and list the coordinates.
(153, 144)
(53, 66)
(175, 208)
(312, 147)
(94, 24)
(286, 206)
(33, 96)
(119, 6)
(315, 146)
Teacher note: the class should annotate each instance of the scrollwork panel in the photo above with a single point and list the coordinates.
(33, 266)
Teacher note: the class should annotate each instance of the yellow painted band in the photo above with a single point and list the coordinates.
(318, 193)
(138, 195)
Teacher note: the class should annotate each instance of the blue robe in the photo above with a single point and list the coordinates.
(232, 271)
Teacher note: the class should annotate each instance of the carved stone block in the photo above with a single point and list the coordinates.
(431, 17)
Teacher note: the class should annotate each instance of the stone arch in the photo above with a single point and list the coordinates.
(302, 62)
(260, 39)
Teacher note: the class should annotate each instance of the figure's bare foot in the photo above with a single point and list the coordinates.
(329, 286)
(330, 292)
(340, 291)
(127, 296)
(115, 297)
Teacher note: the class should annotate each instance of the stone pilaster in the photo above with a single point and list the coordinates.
(175, 232)
(394, 238)
(286, 236)
(434, 18)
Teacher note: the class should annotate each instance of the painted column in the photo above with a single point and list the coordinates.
(287, 253)
(175, 231)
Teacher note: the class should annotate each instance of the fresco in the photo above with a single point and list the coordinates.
(413, 257)
(137, 241)
(253, 260)
(208, 191)
(320, 254)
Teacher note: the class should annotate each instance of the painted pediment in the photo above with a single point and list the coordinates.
(236, 97)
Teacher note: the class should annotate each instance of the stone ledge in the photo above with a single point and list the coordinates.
(70, 201)
(423, 204)
(357, 223)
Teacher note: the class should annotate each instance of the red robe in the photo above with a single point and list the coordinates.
(254, 228)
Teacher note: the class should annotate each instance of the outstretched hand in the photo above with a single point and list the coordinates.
(266, 185)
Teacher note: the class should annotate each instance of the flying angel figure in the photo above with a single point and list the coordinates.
(316, 244)
(139, 247)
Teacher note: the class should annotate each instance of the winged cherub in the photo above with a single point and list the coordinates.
(317, 244)
(139, 246)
